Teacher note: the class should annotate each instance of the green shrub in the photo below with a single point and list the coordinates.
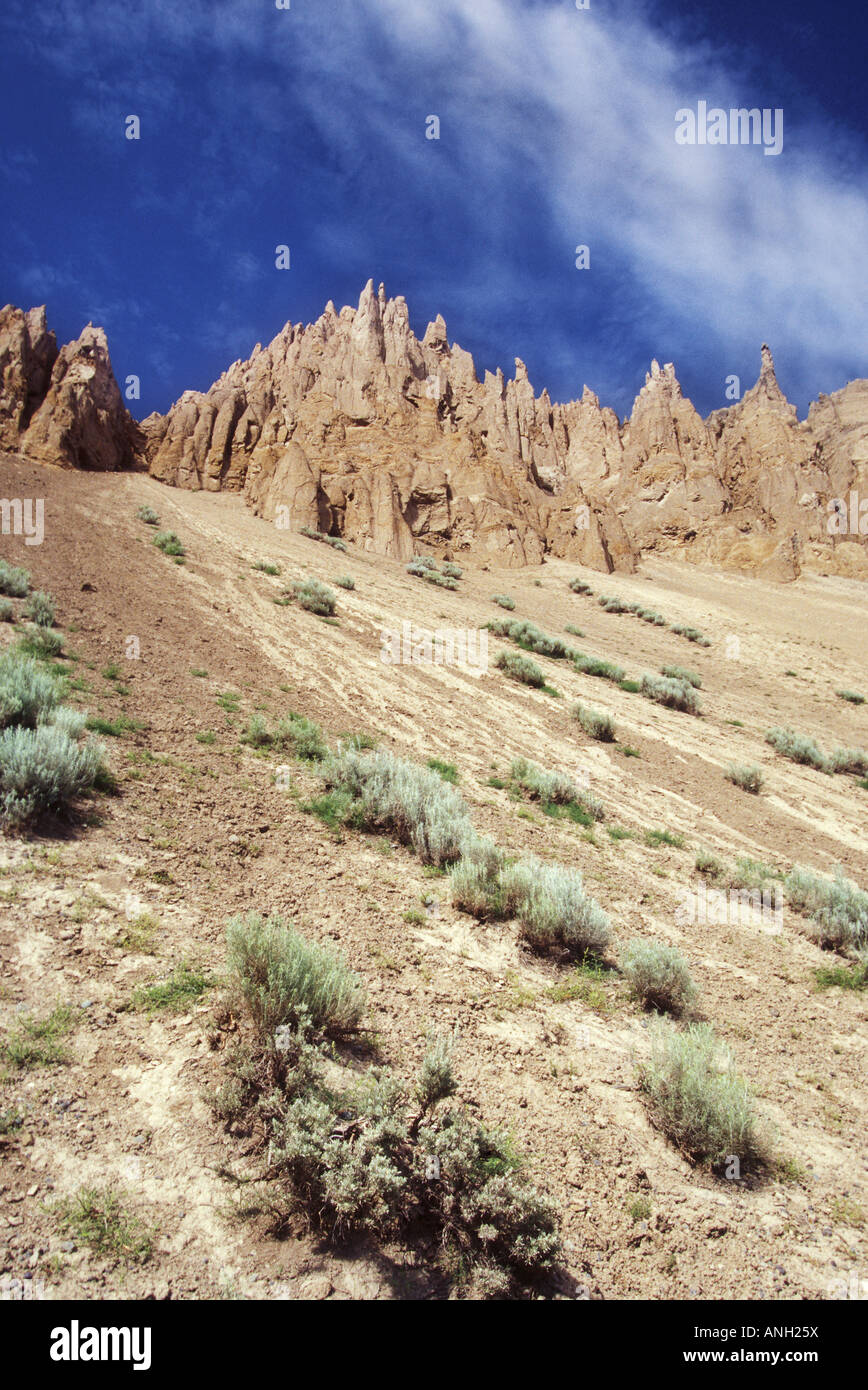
(520, 668)
(314, 596)
(503, 600)
(334, 541)
(798, 748)
(97, 1218)
(749, 778)
(384, 792)
(37, 1042)
(290, 982)
(436, 1079)
(148, 516)
(659, 976)
(612, 604)
(168, 542)
(693, 635)
(553, 908)
(43, 769)
(267, 567)
(837, 908)
(674, 694)
(7, 611)
(345, 581)
(451, 570)
(256, 733)
(579, 586)
(655, 838)
(852, 696)
(853, 760)
(708, 863)
(596, 724)
(594, 666)
(475, 881)
(302, 737)
(696, 1098)
(554, 788)
(14, 581)
(648, 615)
(448, 771)
(573, 630)
(40, 642)
(423, 562)
(678, 673)
(28, 693)
(39, 608)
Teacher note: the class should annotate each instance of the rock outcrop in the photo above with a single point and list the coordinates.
(354, 426)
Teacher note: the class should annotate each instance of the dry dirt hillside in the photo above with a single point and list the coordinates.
(200, 828)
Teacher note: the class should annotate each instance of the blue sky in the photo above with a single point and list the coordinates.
(262, 126)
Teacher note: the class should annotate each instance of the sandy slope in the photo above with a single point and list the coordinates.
(209, 822)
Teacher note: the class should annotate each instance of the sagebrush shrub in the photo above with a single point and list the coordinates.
(315, 596)
(345, 581)
(436, 1078)
(613, 604)
(301, 736)
(678, 673)
(148, 516)
(853, 760)
(749, 778)
(852, 696)
(693, 635)
(520, 668)
(595, 666)
(39, 608)
(837, 908)
(798, 748)
(554, 788)
(387, 793)
(659, 976)
(595, 723)
(288, 981)
(14, 581)
(7, 611)
(695, 1096)
(169, 543)
(42, 642)
(27, 691)
(553, 908)
(503, 600)
(43, 769)
(579, 586)
(451, 570)
(674, 694)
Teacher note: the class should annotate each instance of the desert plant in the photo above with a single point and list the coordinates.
(595, 666)
(256, 734)
(648, 615)
(315, 596)
(344, 581)
(693, 635)
(674, 694)
(553, 788)
(837, 908)
(41, 642)
(424, 562)
(475, 879)
(709, 864)
(302, 737)
(148, 516)
(267, 567)
(520, 668)
(503, 600)
(853, 760)
(679, 673)
(451, 570)
(595, 723)
(798, 748)
(27, 691)
(39, 608)
(384, 792)
(99, 1219)
(7, 611)
(553, 908)
(44, 769)
(579, 586)
(436, 1077)
(749, 778)
(14, 581)
(612, 604)
(659, 976)
(695, 1096)
(851, 696)
(169, 543)
(290, 982)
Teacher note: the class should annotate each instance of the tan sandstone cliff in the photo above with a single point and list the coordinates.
(354, 426)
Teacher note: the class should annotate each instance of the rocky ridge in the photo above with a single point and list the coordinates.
(353, 426)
